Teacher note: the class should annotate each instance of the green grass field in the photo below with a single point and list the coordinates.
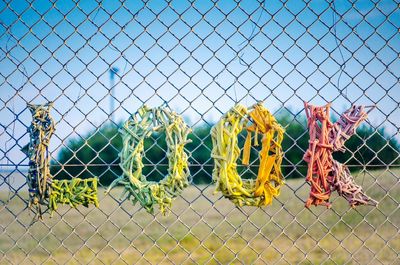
(205, 228)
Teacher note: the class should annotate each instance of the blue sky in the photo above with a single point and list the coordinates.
(201, 57)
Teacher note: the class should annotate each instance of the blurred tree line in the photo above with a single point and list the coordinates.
(96, 154)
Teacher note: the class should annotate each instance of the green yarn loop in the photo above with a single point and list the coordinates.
(134, 132)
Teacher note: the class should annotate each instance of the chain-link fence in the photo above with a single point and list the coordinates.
(99, 61)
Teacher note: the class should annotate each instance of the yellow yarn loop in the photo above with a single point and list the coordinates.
(134, 132)
(226, 152)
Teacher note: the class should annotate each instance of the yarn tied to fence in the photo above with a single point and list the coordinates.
(324, 173)
(43, 189)
(73, 192)
(226, 152)
(134, 132)
(40, 132)
(269, 177)
(319, 155)
(344, 183)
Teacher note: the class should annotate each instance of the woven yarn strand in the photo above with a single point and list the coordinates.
(43, 189)
(324, 173)
(40, 132)
(135, 130)
(342, 181)
(73, 192)
(226, 152)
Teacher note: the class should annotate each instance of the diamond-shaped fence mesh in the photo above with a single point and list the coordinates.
(99, 61)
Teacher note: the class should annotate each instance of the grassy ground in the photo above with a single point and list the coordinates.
(205, 228)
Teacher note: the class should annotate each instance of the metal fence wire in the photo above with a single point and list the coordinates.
(99, 61)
